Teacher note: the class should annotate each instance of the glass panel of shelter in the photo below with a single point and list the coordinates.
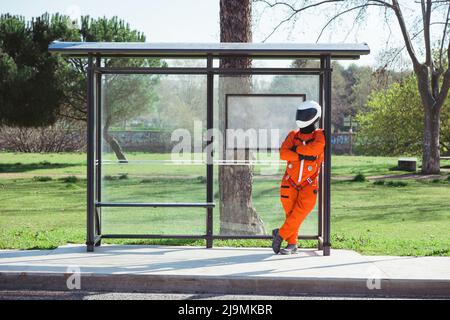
(253, 115)
(152, 152)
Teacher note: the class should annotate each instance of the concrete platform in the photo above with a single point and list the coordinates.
(224, 270)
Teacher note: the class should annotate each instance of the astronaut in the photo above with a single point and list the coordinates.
(303, 149)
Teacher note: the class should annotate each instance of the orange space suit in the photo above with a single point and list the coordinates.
(299, 187)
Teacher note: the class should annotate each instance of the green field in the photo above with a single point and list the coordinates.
(40, 207)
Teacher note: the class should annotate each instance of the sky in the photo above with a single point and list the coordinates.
(198, 21)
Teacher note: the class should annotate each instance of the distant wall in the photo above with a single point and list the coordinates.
(343, 143)
(31, 140)
(140, 141)
(156, 141)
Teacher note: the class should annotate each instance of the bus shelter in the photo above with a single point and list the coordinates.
(195, 88)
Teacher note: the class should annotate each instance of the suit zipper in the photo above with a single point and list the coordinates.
(300, 174)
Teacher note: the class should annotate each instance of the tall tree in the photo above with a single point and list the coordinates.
(433, 74)
(237, 215)
(31, 90)
(396, 110)
(37, 88)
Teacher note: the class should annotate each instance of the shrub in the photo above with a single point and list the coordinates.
(379, 182)
(42, 179)
(71, 179)
(72, 186)
(122, 176)
(398, 111)
(359, 178)
(201, 179)
(396, 183)
(63, 136)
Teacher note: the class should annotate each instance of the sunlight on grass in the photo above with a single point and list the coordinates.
(43, 204)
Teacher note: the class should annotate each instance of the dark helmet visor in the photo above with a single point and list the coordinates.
(306, 115)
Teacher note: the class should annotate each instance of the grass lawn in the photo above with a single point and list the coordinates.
(40, 207)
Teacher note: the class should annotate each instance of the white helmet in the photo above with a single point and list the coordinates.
(307, 113)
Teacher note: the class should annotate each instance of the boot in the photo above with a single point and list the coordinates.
(276, 242)
(290, 249)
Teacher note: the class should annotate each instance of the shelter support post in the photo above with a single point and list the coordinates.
(327, 162)
(90, 241)
(321, 198)
(98, 153)
(209, 152)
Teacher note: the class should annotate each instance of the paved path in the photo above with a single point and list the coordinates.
(224, 270)
(82, 295)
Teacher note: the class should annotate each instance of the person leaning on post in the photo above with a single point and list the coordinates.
(303, 149)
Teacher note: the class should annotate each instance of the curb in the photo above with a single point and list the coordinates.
(226, 285)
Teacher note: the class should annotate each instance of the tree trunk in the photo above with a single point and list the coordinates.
(113, 143)
(431, 154)
(237, 215)
(430, 142)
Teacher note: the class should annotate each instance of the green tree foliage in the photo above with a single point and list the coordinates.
(351, 87)
(37, 88)
(30, 83)
(393, 122)
(126, 96)
(120, 90)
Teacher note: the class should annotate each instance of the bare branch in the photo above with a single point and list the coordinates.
(444, 90)
(437, 1)
(415, 35)
(277, 3)
(294, 12)
(441, 50)
(383, 3)
(426, 18)
(342, 13)
(445, 87)
(279, 25)
(405, 34)
(359, 15)
(395, 6)
(387, 24)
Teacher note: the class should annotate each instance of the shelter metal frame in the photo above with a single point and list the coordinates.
(95, 71)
